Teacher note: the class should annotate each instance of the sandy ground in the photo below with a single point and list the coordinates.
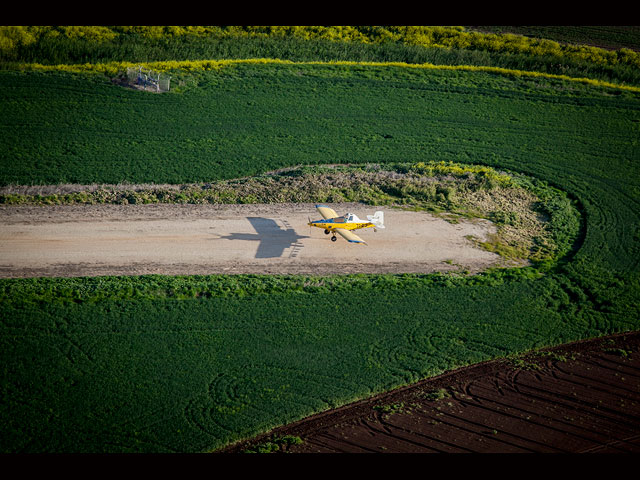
(88, 240)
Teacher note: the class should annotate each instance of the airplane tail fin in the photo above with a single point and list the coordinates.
(377, 219)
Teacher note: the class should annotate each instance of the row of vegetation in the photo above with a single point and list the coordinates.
(184, 70)
(88, 290)
(52, 45)
(436, 186)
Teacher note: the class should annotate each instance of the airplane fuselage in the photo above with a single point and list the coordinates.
(333, 223)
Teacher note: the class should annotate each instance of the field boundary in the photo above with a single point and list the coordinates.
(115, 68)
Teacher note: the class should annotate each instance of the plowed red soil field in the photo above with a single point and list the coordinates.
(582, 397)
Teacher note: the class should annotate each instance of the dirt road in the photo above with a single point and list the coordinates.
(84, 240)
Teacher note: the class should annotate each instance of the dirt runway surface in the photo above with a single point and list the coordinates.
(88, 240)
(577, 398)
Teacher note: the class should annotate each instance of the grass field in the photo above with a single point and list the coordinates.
(157, 364)
(191, 375)
(248, 119)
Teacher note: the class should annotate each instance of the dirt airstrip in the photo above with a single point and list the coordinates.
(84, 240)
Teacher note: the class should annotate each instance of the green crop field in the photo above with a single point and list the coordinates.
(191, 364)
(248, 119)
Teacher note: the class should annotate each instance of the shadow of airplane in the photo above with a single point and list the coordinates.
(273, 239)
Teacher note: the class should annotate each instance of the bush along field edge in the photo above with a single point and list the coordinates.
(183, 69)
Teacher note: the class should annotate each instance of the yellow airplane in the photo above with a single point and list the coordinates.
(332, 223)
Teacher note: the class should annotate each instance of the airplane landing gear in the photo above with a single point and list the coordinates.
(333, 239)
(327, 232)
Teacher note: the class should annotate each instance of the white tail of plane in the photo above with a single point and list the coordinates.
(377, 219)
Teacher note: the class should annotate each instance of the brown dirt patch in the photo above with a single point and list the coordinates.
(577, 398)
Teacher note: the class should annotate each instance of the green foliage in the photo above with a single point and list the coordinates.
(90, 290)
(267, 447)
(413, 44)
(389, 409)
(435, 395)
(276, 444)
(619, 351)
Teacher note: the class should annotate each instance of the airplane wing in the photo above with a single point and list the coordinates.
(326, 212)
(349, 236)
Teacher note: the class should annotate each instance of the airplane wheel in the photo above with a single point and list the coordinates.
(333, 239)
(327, 232)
